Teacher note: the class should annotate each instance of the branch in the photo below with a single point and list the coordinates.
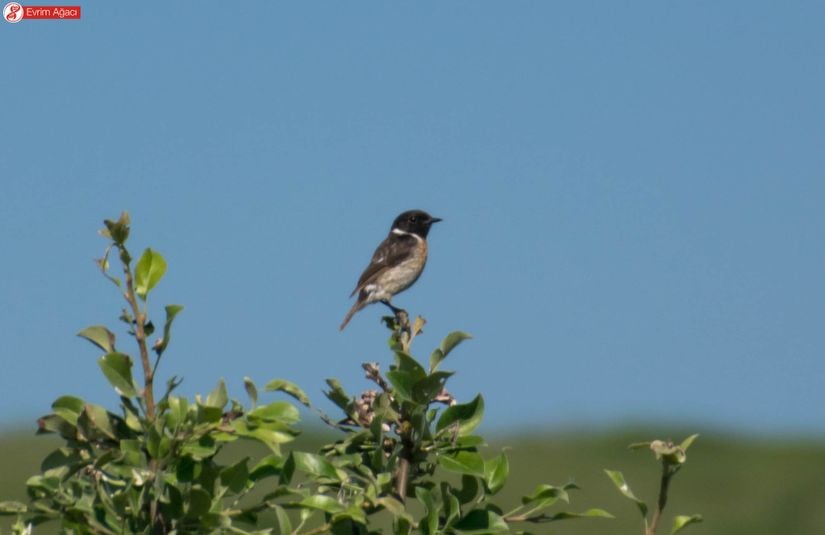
(402, 475)
(140, 334)
(373, 373)
(667, 473)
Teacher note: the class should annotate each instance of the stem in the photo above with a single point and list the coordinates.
(155, 520)
(320, 529)
(663, 486)
(527, 518)
(140, 336)
(402, 475)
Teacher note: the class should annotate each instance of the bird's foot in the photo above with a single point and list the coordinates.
(402, 319)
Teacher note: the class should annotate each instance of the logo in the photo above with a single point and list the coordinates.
(13, 12)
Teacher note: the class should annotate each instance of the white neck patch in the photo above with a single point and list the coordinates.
(399, 232)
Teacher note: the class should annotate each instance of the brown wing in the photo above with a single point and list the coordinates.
(393, 250)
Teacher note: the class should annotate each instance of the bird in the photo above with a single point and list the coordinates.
(396, 264)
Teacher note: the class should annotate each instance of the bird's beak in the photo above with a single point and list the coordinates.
(435, 220)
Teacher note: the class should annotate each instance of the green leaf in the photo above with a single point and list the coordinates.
(392, 505)
(133, 452)
(402, 383)
(431, 510)
(271, 435)
(200, 449)
(324, 503)
(406, 363)
(480, 522)
(287, 387)
(427, 388)
(278, 411)
(590, 513)
(95, 418)
(68, 408)
(463, 462)
(99, 336)
(624, 488)
(163, 343)
(447, 345)
(546, 495)
(157, 444)
(682, 521)
(12, 508)
(469, 489)
(466, 416)
(199, 502)
(467, 441)
(349, 519)
(284, 524)
(208, 415)
(118, 230)
(48, 484)
(117, 368)
(271, 465)
(337, 395)
(452, 508)
(59, 462)
(218, 398)
(401, 525)
(236, 476)
(312, 464)
(496, 472)
(686, 444)
(251, 390)
(150, 269)
(52, 423)
(178, 408)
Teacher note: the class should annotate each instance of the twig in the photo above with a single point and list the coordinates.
(667, 473)
(373, 373)
(140, 335)
(403, 473)
(155, 519)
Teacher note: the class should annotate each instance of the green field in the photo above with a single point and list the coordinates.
(741, 485)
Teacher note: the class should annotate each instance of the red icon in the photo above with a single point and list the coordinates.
(13, 12)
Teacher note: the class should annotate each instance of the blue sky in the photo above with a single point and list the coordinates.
(632, 196)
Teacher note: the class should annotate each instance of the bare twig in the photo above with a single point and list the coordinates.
(403, 472)
(373, 373)
(140, 334)
(667, 473)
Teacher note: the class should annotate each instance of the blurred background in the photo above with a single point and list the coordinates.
(632, 201)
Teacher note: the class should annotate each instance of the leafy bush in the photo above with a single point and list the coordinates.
(406, 457)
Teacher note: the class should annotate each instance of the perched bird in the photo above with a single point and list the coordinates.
(396, 264)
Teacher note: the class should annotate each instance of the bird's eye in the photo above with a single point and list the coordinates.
(413, 219)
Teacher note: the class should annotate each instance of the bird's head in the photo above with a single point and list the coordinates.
(416, 222)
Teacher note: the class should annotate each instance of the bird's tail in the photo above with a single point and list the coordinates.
(355, 308)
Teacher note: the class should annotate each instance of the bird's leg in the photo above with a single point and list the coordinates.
(395, 310)
(401, 316)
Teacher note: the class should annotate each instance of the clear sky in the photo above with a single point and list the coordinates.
(632, 195)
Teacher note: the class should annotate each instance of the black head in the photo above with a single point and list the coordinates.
(415, 222)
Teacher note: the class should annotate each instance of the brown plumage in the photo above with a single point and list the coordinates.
(396, 264)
